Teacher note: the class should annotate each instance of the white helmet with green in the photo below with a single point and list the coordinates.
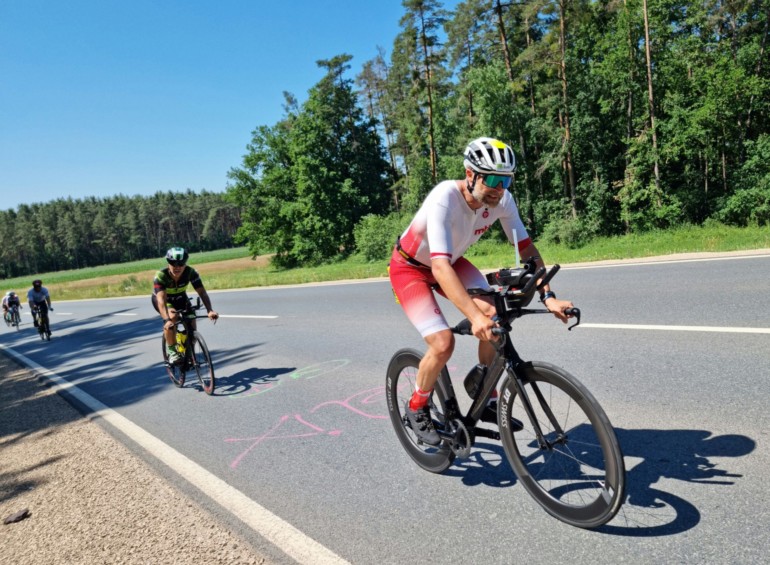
(486, 155)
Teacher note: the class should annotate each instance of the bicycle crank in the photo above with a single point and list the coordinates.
(459, 439)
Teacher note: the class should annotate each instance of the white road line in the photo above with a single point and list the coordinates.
(126, 314)
(247, 316)
(678, 328)
(280, 533)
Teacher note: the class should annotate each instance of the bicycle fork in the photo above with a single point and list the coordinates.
(517, 377)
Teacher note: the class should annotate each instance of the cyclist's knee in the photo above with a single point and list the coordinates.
(441, 344)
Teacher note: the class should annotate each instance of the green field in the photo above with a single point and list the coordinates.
(233, 268)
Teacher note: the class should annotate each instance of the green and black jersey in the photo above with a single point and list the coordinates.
(164, 281)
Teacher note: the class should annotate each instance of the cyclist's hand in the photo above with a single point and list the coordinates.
(50, 308)
(557, 307)
(213, 316)
(482, 329)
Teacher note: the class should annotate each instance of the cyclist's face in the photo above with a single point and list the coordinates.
(487, 196)
(176, 270)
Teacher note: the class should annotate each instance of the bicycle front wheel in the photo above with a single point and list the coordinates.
(400, 383)
(42, 329)
(577, 475)
(204, 368)
(174, 371)
(17, 320)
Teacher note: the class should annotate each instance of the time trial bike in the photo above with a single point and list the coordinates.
(193, 349)
(555, 435)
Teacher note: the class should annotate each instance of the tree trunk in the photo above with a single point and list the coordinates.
(569, 169)
(429, 89)
(509, 70)
(651, 99)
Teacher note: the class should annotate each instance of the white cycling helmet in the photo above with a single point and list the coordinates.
(489, 156)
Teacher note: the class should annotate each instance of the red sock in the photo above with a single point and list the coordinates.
(419, 398)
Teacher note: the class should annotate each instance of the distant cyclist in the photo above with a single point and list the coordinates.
(170, 295)
(9, 300)
(39, 299)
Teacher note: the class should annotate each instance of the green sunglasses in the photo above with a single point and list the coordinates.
(494, 181)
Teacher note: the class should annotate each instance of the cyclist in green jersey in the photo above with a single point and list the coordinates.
(170, 295)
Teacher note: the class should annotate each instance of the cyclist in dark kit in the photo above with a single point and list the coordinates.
(170, 295)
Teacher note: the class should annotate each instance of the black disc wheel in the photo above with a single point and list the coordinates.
(174, 371)
(204, 368)
(576, 472)
(400, 383)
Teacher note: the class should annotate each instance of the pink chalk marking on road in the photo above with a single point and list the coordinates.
(365, 397)
(369, 397)
(268, 435)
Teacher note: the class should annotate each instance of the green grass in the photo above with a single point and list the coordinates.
(130, 268)
(135, 278)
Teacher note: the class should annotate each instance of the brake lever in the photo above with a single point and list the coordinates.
(573, 312)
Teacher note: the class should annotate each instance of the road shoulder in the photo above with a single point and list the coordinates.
(90, 500)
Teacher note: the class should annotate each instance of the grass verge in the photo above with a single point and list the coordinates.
(234, 268)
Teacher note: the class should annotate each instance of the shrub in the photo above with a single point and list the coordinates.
(375, 235)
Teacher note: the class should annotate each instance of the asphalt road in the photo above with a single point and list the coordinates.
(296, 453)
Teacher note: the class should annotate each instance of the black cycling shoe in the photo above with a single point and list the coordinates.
(490, 415)
(422, 424)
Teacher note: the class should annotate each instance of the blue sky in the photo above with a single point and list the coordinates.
(106, 97)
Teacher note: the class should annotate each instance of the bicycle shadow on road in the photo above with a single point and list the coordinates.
(652, 455)
(253, 380)
(486, 465)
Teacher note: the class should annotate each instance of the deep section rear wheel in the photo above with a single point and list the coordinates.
(578, 475)
(204, 368)
(400, 383)
(174, 371)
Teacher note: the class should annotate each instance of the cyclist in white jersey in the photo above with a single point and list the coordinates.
(429, 255)
(38, 299)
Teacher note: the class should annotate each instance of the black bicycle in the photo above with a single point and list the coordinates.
(193, 349)
(43, 323)
(13, 318)
(555, 434)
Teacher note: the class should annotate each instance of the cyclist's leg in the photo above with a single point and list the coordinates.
(169, 334)
(471, 277)
(413, 287)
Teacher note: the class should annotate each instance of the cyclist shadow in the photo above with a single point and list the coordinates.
(252, 381)
(652, 455)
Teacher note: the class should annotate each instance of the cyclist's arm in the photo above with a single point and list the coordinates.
(455, 291)
(206, 302)
(162, 300)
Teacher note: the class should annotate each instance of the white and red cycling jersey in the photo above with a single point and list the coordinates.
(445, 227)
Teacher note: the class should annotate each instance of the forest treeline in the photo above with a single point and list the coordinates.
(625, 116)
(72, 234)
